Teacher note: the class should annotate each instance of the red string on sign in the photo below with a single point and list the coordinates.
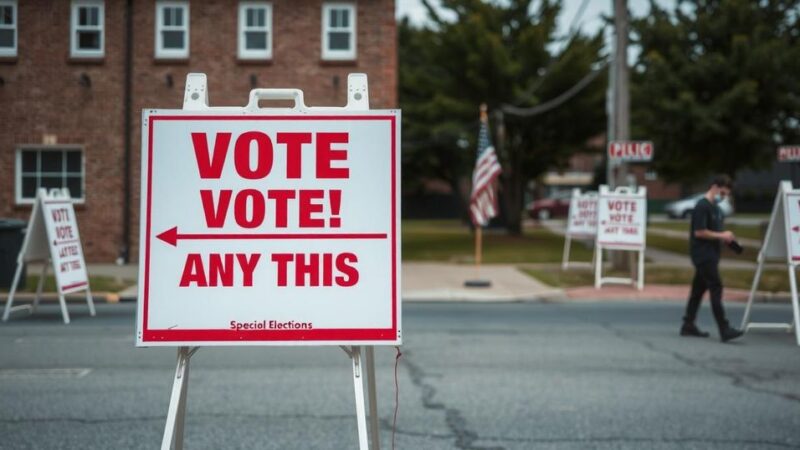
(396, 394)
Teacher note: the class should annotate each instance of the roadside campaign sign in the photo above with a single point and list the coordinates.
(52, 238)
(582, 214)
(781, 242)
(630, 151)
(789, 153)
(64, 241)
(622, 218)
(793, 225)
(270, 228)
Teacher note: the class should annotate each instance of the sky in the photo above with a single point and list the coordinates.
(589, 21)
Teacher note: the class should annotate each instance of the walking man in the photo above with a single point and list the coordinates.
(705, 238)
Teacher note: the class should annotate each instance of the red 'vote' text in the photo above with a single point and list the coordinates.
(254, 154)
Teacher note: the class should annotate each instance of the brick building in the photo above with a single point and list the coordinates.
(75, 75)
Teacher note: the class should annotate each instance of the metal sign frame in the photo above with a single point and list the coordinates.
(778, 245)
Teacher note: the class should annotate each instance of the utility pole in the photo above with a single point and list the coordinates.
(620, 109)
(622, 99)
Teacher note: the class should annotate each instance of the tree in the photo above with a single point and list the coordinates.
(498, 53)
(717, 84)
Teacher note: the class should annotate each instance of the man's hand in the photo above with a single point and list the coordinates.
(727, 236)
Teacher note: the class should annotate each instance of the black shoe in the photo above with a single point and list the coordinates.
(692, 330)
(729, 333)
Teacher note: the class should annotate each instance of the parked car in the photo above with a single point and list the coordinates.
(557, 205)
(682, 209)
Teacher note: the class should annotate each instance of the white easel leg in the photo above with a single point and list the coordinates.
(40, 287)
(598, 266)
(565, 258)
(90, 302)
(11, 293)
(358, 384)
(374, 429)
(752, 296)
(640, 276)
(173, 430)
(795, 306)
(64, 313)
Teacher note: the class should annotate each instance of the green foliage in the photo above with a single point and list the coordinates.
(495, 53)
(717, 86)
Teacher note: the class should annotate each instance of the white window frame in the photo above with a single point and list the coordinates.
(338, 55)
(76, 52)
(11, 51)
(243, 51)
(161, 52)
(19, 199)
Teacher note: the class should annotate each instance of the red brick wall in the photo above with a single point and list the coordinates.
(41, 94)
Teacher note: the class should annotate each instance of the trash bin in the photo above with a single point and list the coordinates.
(12, 232)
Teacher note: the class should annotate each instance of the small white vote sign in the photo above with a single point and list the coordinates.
(65, 244)
(622, 219)
(582, 220)
(52, 238)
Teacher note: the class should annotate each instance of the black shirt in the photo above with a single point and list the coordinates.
(705, 216)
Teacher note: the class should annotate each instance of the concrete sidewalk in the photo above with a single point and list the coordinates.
(444, 282)
(421, 281)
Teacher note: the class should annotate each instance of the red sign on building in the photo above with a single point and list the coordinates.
(789, 153)
(632, 151)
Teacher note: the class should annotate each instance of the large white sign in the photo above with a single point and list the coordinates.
(269, 228)
(632, 151)
(622, 218)
(582, 221)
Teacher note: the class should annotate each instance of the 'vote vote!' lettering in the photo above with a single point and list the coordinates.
(252, 156)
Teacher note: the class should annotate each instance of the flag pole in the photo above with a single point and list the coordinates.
(478, 247)
(478, 282)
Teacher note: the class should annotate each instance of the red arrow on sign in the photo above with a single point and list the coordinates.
(172, 236)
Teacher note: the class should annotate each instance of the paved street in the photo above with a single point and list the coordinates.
(472, 376)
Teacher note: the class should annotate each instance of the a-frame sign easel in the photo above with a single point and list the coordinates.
(782, 242)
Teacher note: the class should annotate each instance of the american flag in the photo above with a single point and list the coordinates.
(483, 201)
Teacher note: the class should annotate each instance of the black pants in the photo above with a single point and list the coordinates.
(706, 278)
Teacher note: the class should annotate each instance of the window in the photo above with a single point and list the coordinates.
(338, 31)
(8, 28)
(87, 26)
(172, 30)
(255, 26)
(48, 168)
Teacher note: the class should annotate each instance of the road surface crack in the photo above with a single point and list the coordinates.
(465, 438)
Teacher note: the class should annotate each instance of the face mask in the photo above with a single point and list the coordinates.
(718, 198)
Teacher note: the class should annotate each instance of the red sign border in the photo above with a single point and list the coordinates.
(230, 336)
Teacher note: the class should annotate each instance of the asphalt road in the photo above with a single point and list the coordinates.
(472, 376)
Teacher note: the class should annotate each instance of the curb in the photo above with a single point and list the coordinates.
(107, 297)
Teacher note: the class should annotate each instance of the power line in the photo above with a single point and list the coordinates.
(557, 101)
